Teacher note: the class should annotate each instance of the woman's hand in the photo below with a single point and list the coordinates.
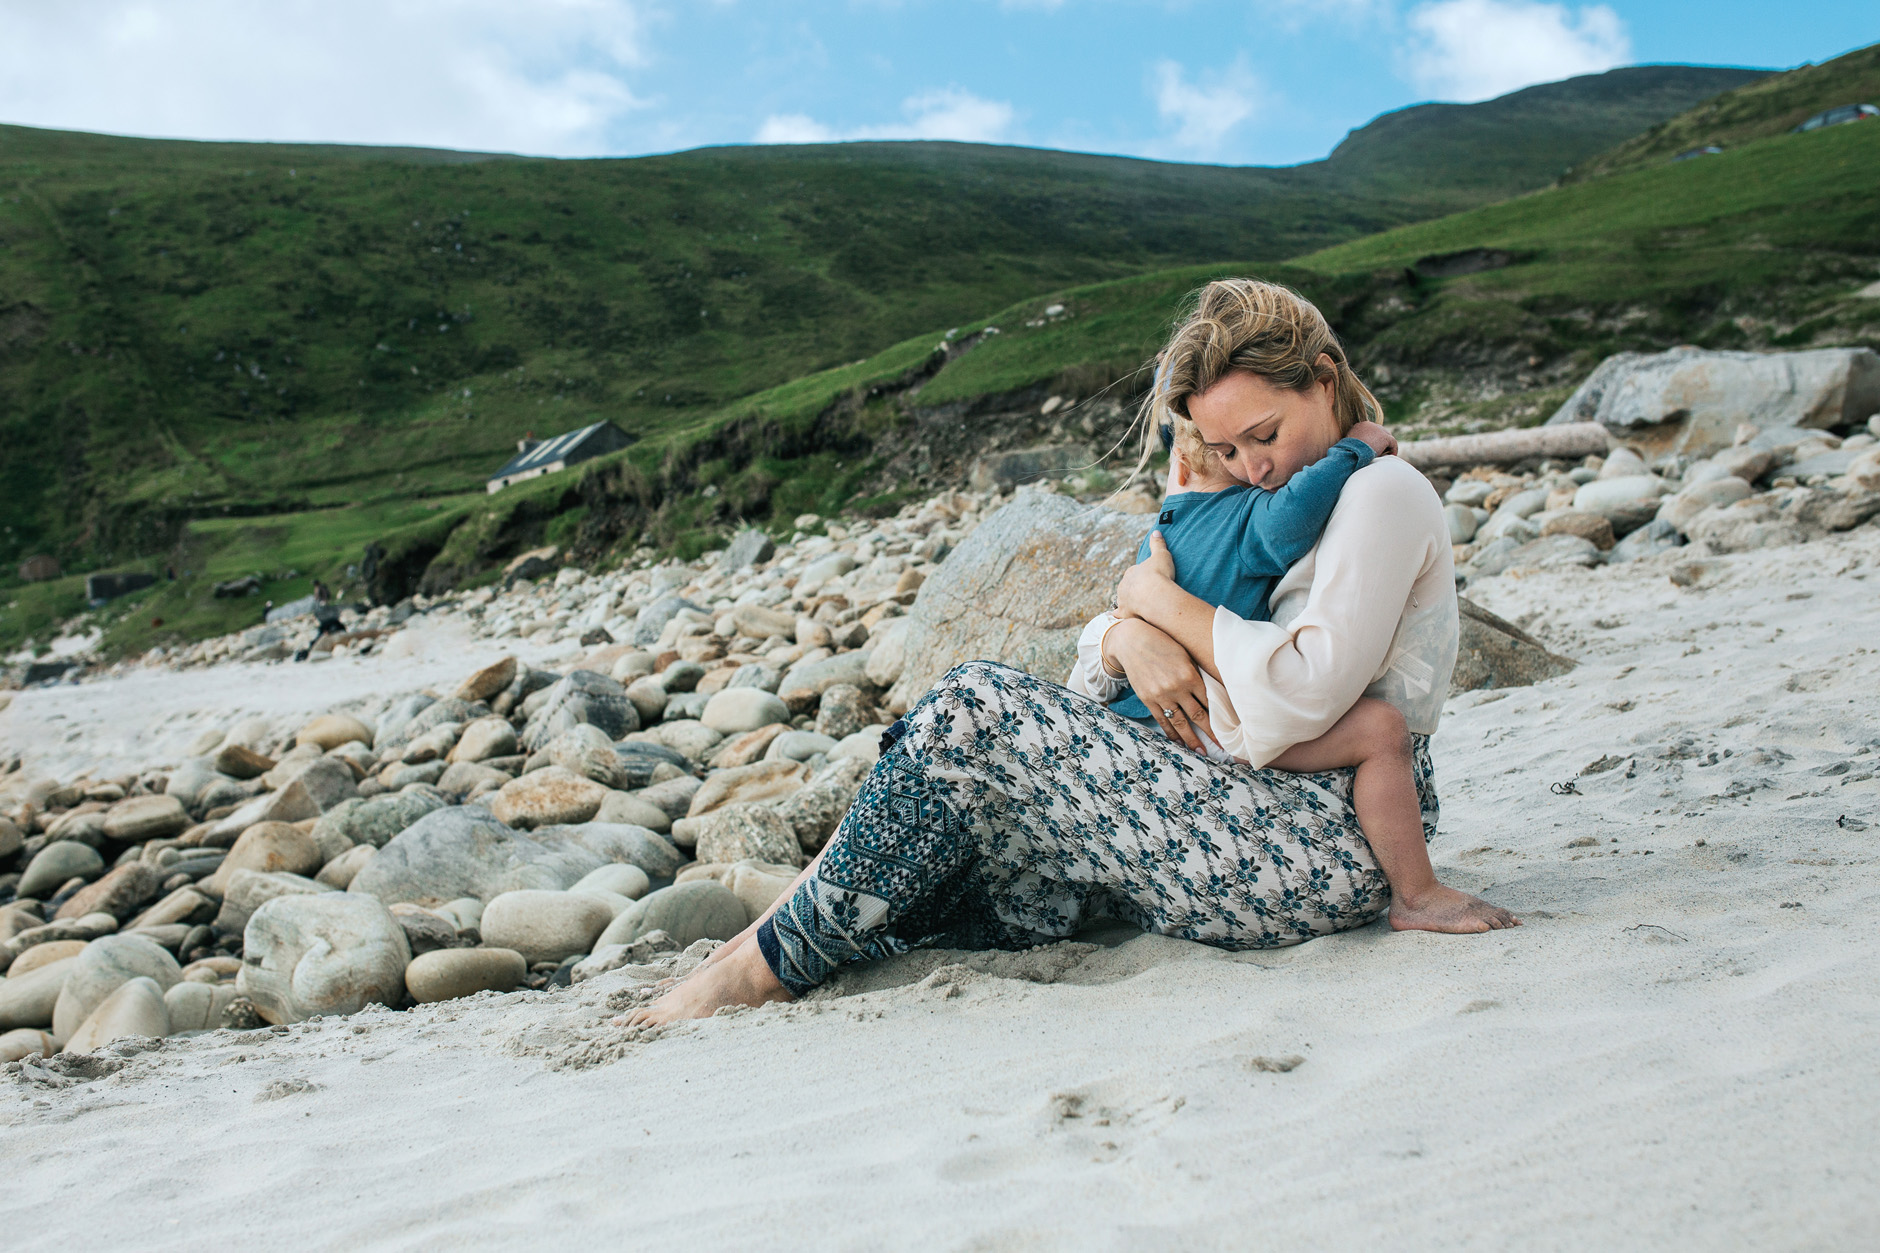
(1163, 675)
(1146, 582)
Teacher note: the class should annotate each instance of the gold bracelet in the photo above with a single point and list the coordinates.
(1103, 662)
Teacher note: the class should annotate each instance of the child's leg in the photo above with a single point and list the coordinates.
(1372, 736)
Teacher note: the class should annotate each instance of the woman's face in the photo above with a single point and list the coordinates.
(1265, 434)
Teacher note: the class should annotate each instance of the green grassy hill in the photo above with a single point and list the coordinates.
(189, 330)
(1759, 110)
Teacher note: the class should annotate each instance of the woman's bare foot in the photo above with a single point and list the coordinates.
(1446, 909)
(743, 978)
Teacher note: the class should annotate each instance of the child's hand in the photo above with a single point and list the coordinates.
(1145, 580)
(1382, 442)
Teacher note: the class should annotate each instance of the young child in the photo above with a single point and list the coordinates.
(1231, 544)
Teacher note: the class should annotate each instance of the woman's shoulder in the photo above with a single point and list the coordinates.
(1393, 484)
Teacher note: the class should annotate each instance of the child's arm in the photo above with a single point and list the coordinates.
(1285, 524)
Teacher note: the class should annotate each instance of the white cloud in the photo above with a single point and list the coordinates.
(794, 128)
(547, 78)
(949, 113)
(1202, 115)
(1475, 49)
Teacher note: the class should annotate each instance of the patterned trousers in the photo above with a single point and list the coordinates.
(1014, 810)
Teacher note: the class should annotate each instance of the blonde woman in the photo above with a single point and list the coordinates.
(1014, 810)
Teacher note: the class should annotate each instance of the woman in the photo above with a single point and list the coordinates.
(1013, 810)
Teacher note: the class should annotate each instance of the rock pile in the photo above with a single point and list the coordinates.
(524, 827)
(1774, 485)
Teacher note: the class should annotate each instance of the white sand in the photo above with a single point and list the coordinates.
(1663, 1057)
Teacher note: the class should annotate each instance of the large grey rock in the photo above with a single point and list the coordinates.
(546, 797)
(804, 683)
(461, 851)
(107, 964)
(1028, 465)
(329, 954)
(747, 548)
(1493, 652)
(190, 780)
(1018, 590)
(589, 752)
(392, 724)
(576, 698)
(141, 818)
(1743, 527)
(1710, 393)
(653, 618)
(688, 912)
(376, 820)
(748, 833)
(450, 973)
(1547, 553)
(433, 715)
(817, 809)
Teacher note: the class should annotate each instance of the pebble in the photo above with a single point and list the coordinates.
(23, 1042)
(28, 1000)
(54, 864)
(329, 731)
(747, 833)
(197, 1006)
(45, 955)
(483, 739)
(760, 781)
(634, 809)
(450, 973)
(799, 746)
(145, 818)
(620, 878)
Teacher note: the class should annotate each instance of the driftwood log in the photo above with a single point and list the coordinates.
(1570, 441)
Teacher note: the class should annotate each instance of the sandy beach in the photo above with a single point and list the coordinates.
(1676, 1050)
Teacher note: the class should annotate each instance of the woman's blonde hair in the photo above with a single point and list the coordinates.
(1263, 328)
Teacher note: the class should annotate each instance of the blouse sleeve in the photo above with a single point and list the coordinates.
(1088, 677)
(1384, 548)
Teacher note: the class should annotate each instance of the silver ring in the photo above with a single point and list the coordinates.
(1168, 713)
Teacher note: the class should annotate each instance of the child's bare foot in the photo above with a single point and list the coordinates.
(743, 978)
(1446, 909)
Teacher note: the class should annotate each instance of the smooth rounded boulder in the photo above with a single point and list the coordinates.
(329, 731)
(268, 847)
(620, 878)
(24, 1042)
(545, 926)
(450, 973)
(134, 1009)
(145, 818)
(44, 955)
(700, 910)
(28, 1000)
(106, 965)
(54, 864)
(736, 710)
(633, 809)
(333, 953)
(483, 739)
(197, 1006)
(748, 833)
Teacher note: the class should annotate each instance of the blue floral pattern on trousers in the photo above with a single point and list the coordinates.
(1013, 811)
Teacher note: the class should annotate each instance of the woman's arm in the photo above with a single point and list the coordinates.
(1384, 557)
(1149, 592)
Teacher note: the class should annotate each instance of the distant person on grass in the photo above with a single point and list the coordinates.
(1013, 810)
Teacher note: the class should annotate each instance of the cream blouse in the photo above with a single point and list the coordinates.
(1370, 611)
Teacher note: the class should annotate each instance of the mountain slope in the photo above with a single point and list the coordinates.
(192, 330)
(1759, 110)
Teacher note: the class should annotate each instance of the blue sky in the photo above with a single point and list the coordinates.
(1235, 81)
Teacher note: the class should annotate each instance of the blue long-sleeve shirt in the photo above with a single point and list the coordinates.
(1231, 548)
